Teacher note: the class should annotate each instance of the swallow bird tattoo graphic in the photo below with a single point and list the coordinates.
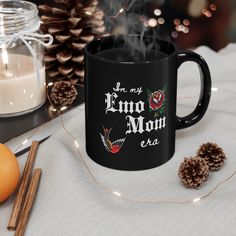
(112, 147)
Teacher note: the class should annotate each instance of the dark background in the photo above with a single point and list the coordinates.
(215, 31)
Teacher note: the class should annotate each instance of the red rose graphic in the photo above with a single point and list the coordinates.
(156, 100)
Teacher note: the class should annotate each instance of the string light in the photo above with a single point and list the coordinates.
(209, 12)
(206, 13)
(186, 22)
(121, 10)
(76, 144)
(63, 108)
(88, 13)
(124, 197)
(213, 7)
(186, 30)
(152, 22)
(45, 124)
(117, 193)
(24, 142)
(152, 201)
(161, 20)
(157, 12)
(180, 27)
(174, 34)
(177, 21)
(196, 199)
(30, 136)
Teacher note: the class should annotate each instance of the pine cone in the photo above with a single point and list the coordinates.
(213, 154)
(193, 172)
(63, 93)
(72, 23)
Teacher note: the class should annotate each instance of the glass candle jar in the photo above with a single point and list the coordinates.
(22, 69)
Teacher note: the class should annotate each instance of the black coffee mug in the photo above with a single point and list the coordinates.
(131, 102)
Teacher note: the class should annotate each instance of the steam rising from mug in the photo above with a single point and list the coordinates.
(132, 22)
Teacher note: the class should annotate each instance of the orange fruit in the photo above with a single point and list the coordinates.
(9, 172)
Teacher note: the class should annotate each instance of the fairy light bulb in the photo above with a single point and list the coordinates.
(213, 7)
(181, 27)
(157, 12)
(161, 21)
(196, 199)
(121, 10)
(186, 30)
(124, 196)
(177, 21)
(214, 89)
(25, 141)
(63, 108)
(186, 22)
(76, 144)
(117, 193)
(174, 34)
(206, 13)
(152, 22)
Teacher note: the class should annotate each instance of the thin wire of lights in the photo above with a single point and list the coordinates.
(121, 195)
(119, 12)
(118, 193)
(64, 108)
(30, 136)
(137, 200)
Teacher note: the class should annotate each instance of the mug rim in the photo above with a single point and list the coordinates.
(87, 51)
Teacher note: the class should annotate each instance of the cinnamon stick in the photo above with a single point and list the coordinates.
(29, 201)
(18, 204)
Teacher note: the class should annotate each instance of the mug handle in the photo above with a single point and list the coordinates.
(205, 94)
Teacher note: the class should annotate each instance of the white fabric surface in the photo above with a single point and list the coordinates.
(69, 203)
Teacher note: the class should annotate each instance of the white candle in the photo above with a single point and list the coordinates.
(20, 91)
